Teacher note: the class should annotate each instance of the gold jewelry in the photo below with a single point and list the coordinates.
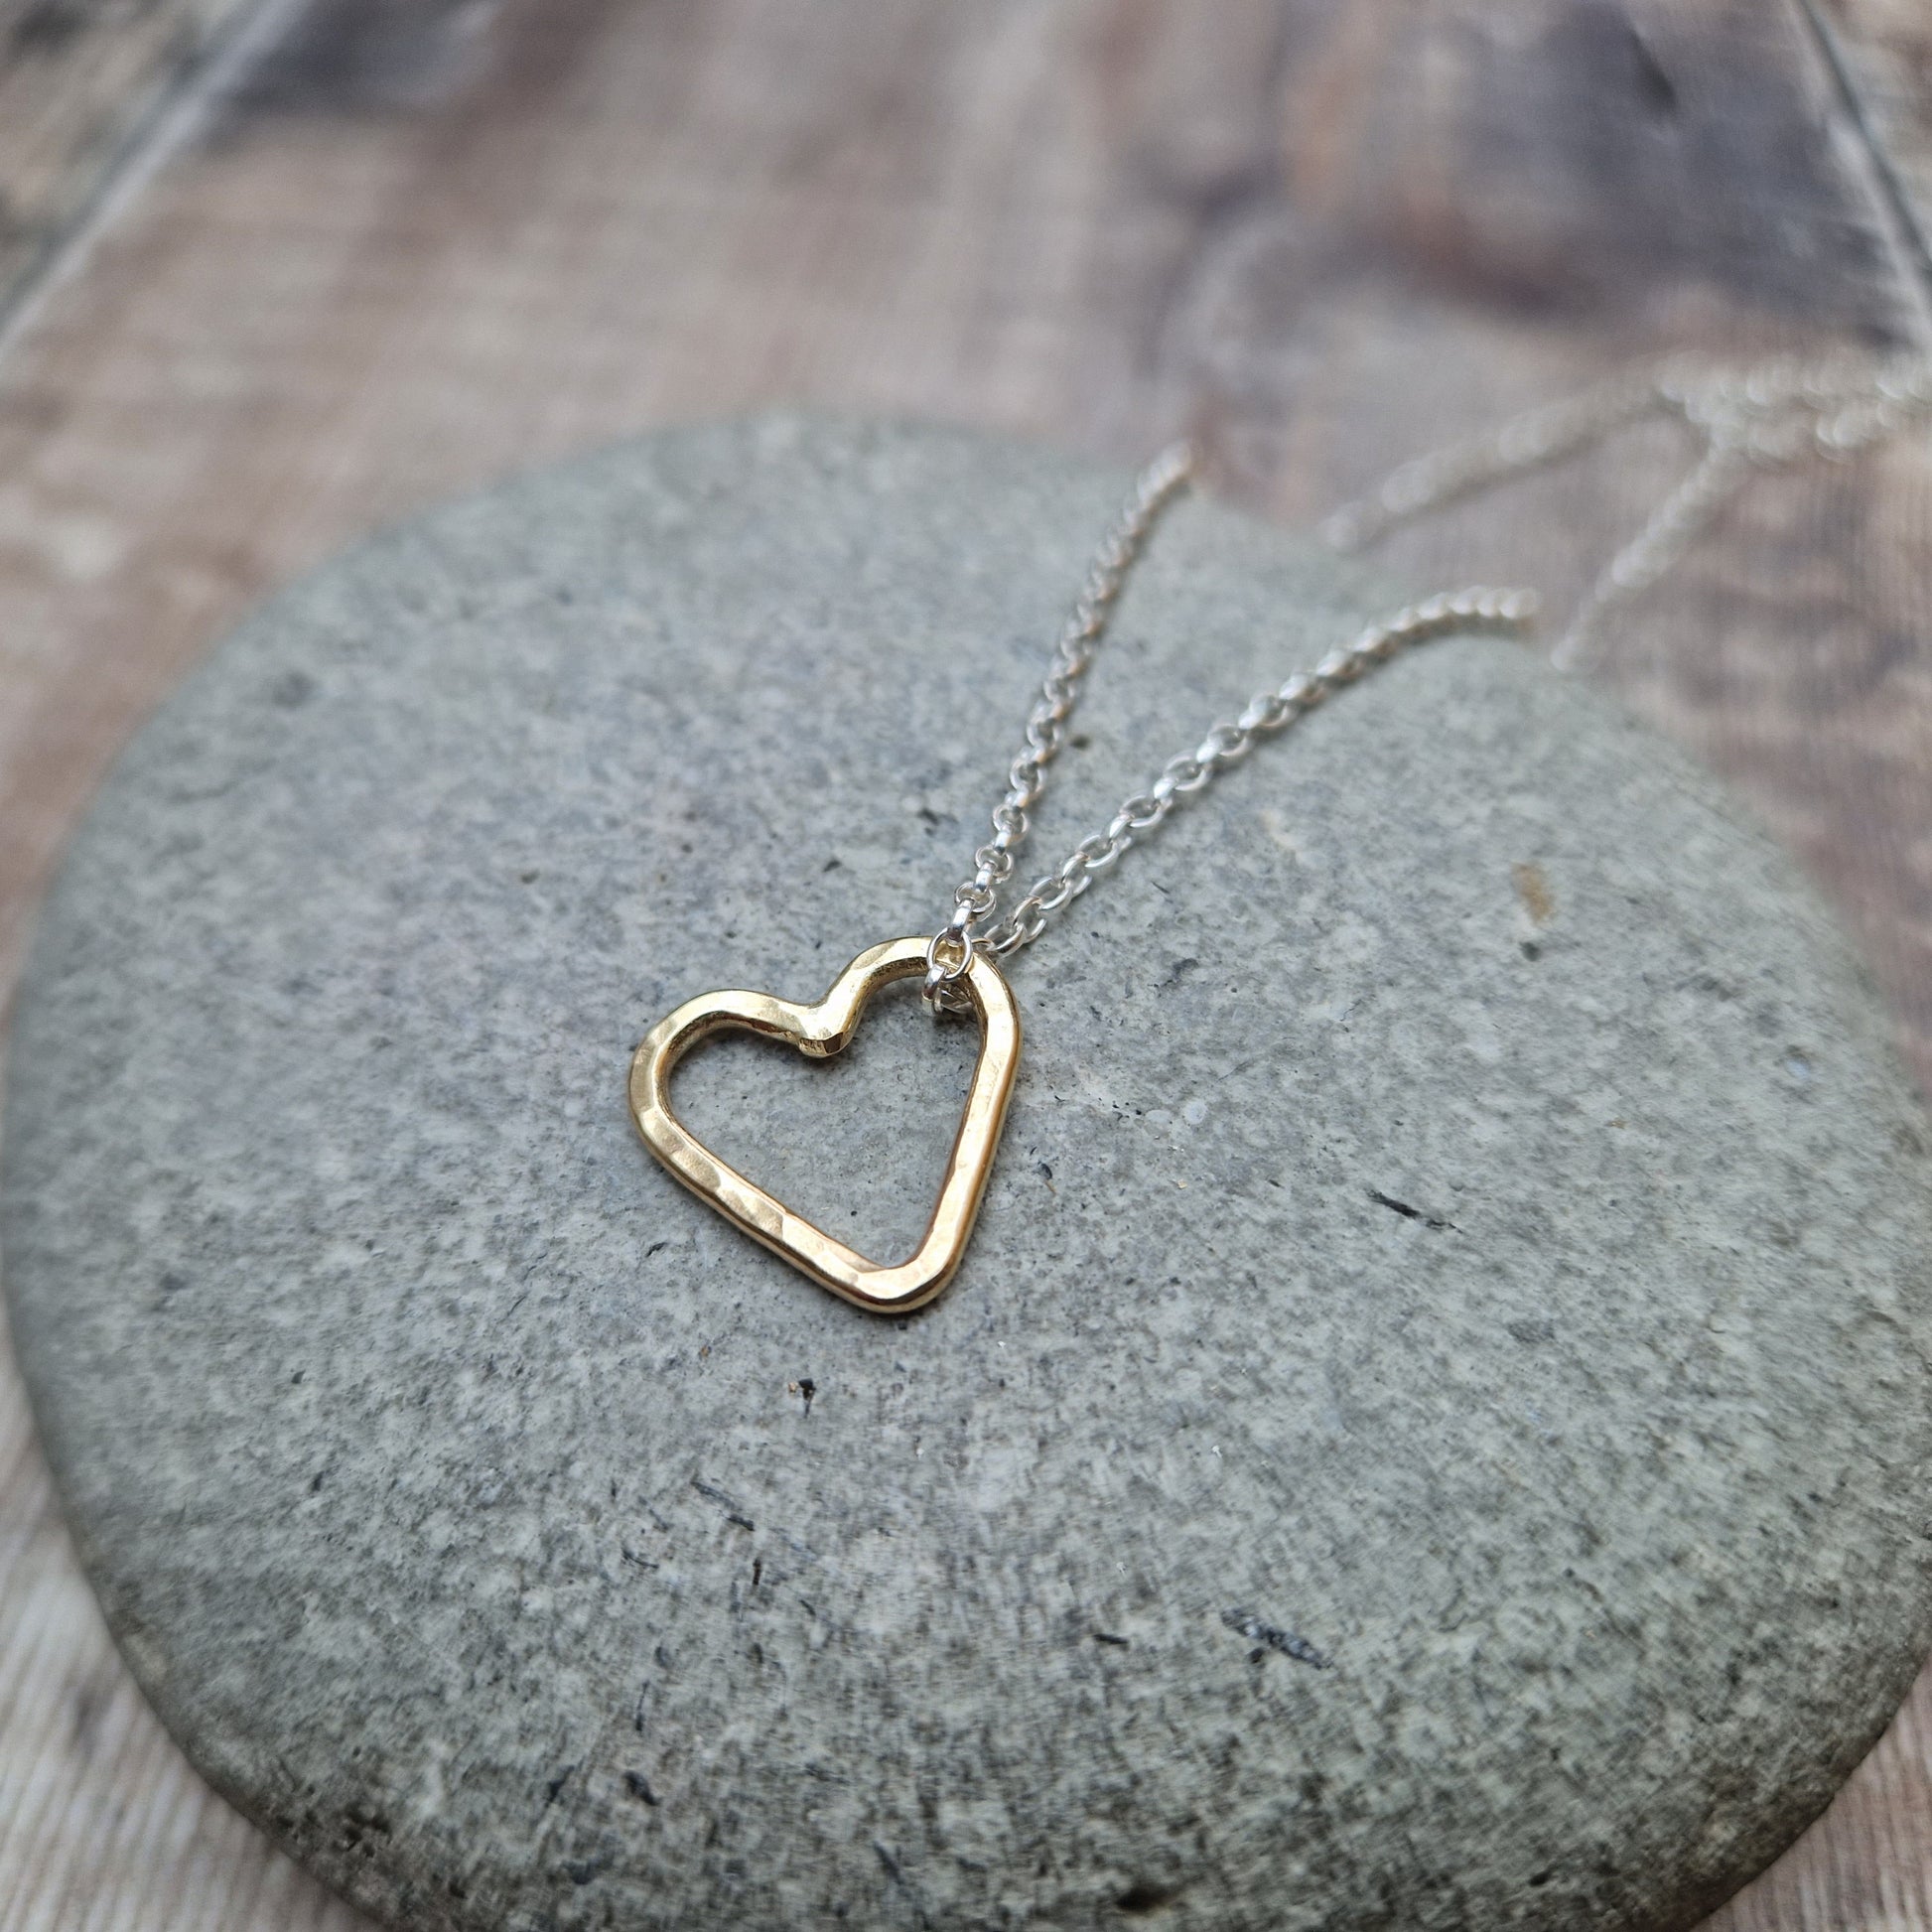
(1747, 420)
(819, 1031)
(958, 963)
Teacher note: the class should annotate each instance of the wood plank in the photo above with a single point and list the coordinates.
(78, 79)
(1882, 53)
(430, 239)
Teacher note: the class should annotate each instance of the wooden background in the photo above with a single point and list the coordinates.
(81, 83)
(365, 253)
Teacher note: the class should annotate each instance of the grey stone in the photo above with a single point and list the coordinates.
(1432, 1429)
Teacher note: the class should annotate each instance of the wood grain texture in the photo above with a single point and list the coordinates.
(1883, 52)
(78, 78)
(428, 240)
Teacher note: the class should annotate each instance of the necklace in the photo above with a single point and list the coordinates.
(1747, 421)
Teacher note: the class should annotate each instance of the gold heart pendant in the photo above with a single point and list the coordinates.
(819, 1031)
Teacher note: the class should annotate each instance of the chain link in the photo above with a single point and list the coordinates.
(1226, 745)
(973, 924)
(1767, 417)
(951, 950)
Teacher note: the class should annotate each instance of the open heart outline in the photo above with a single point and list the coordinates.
(819, 1031)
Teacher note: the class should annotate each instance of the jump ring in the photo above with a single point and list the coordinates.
(941, 987)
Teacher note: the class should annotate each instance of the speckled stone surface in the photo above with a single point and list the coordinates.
(1432, 1431)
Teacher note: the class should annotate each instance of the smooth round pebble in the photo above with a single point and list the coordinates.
(1432, 1429)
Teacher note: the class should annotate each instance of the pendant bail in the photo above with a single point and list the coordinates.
(948, 959)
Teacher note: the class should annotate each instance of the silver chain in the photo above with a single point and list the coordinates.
(975, 902)
(1771, 416)
(1747, 421)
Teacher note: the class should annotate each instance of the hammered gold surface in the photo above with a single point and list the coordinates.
(818, 1031)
